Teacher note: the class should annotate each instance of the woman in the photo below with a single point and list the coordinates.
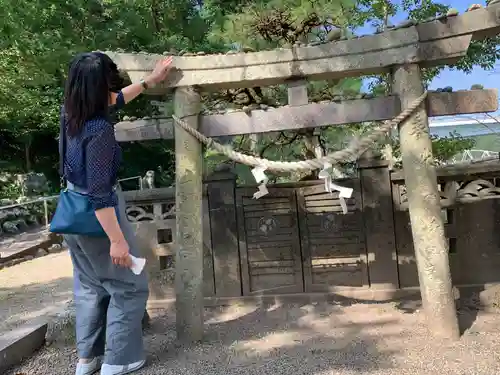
(110, 300)
(117, 84)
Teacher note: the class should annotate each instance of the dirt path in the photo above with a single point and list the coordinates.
(35, 288)
(313, 339)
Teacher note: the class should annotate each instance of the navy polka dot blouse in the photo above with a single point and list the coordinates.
(93, 158)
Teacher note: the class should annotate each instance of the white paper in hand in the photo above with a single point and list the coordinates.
(137, 264)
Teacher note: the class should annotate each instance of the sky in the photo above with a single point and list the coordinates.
(457, 79)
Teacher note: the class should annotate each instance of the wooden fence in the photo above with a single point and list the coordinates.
(296, 239)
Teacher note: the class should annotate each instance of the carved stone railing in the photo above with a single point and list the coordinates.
(150, 204)
(458, 184)
(151, 212)
(152, 215)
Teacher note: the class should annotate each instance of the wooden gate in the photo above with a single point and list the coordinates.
(297, 239)
(333, 243)
(270, 256)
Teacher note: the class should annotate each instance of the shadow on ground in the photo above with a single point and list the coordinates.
(470, 302)
(309, 339)
(305, 339)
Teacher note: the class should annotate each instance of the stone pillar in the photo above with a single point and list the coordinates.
(431, 246)
(189, 223)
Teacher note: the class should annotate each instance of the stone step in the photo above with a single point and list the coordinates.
(26, 244)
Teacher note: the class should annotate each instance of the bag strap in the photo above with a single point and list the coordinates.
(62, 147)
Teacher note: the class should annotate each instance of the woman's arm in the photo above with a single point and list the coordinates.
(135, 89)
(159, 74)
(100, 181)
(109, 221)
(118, 249)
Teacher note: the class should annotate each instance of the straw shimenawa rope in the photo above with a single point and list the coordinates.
(351, 152)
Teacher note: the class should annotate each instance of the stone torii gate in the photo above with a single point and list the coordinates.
(402, 51)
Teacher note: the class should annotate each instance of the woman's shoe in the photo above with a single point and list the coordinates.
(121, 369)
(87, 368)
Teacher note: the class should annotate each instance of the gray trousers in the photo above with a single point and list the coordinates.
(109, 300)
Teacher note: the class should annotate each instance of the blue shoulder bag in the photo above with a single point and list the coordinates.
(74, 214)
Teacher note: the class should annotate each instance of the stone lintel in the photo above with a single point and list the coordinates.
(312, 115)
(373, 54)
(480, 23)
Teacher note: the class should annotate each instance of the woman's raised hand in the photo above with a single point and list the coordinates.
(160, 71)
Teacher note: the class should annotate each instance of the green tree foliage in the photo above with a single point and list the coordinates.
(38, 39)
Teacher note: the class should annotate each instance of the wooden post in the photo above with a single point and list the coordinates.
(297, 96)
(430, 244)
(379, 222)
(225, 246)
(297, 93)
(46, 212)
(189, 223)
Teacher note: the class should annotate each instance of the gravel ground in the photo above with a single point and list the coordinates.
(34, 288)
(313, 339)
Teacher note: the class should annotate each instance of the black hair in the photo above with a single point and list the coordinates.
(87, 89)
(117, 81)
